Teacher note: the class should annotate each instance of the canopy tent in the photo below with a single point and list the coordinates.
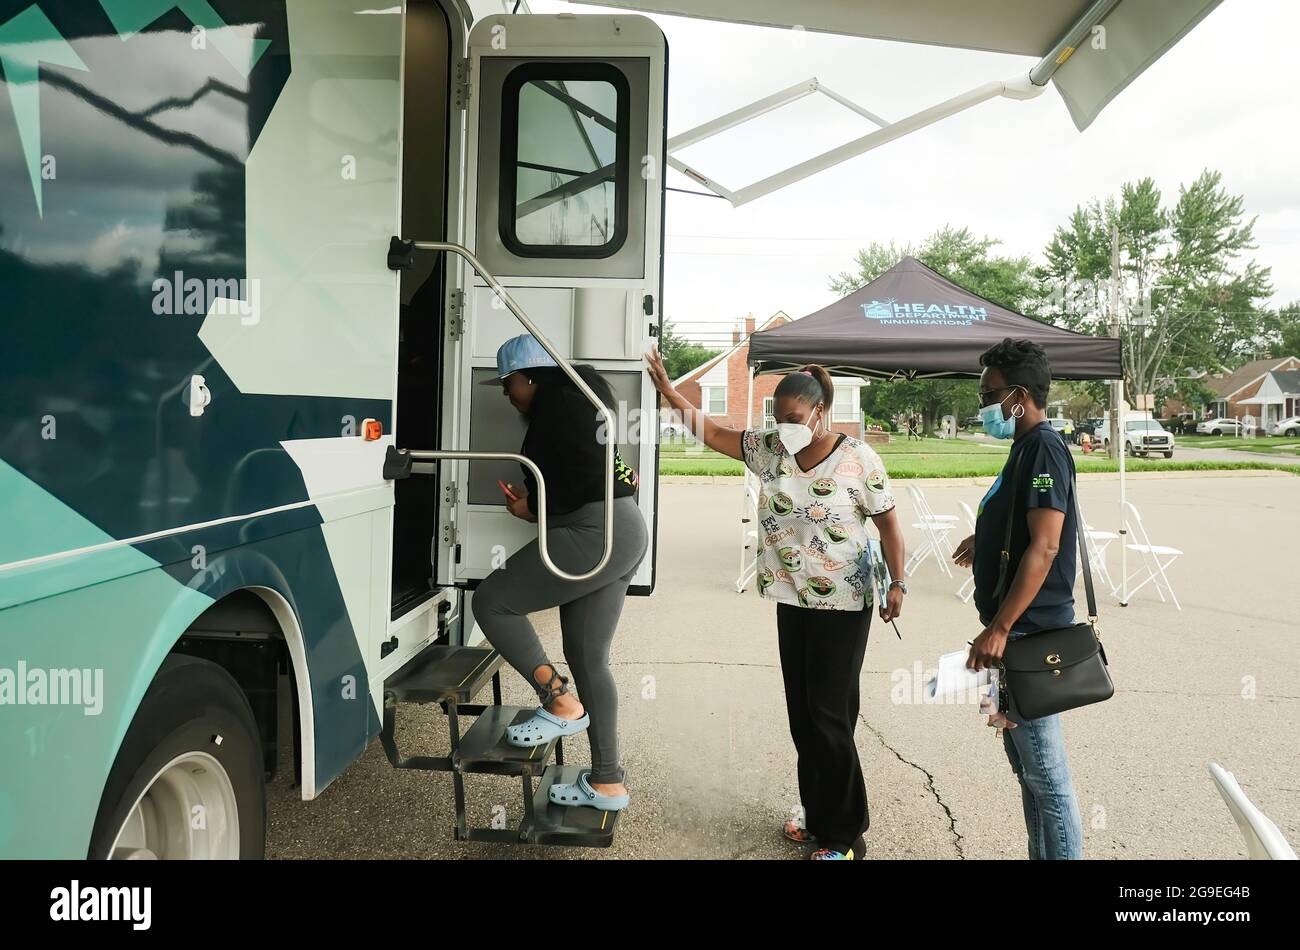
(913, 322)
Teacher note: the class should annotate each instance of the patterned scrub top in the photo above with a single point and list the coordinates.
(814, 548)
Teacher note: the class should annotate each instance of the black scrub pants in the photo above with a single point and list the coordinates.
(821, 662)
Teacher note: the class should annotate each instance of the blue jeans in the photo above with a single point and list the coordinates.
(1036, 750)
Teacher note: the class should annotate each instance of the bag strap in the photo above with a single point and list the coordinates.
(1004, 561)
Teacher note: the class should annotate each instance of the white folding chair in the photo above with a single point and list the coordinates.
(934, 533)
(749, 527)
(967, 589)
(1156, 558)
(1264, 842)
(1098, 541)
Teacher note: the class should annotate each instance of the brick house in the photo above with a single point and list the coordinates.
(721, 387)
(1264, 389)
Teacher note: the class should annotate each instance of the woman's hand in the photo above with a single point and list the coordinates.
(518, 506)
(986, 649)
(964, 556)
(893, 605)
(724, 441)
(659, 375)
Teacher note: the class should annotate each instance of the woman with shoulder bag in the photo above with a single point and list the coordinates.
(1023, 554)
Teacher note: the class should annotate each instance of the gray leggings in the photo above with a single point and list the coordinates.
(589, 612)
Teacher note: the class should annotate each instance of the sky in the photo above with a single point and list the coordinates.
(1224, 98)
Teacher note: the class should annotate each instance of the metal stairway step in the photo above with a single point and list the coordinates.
(576, 826)
(484, 748)
(440, 674)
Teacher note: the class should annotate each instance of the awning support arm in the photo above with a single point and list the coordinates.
(1019, 87)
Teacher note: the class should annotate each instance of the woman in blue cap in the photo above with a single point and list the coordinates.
(565, 439)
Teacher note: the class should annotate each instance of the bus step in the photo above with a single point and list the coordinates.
(441, 674)
(484, 748)
(576, 826)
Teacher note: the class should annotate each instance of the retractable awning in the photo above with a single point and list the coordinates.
(1090, 66)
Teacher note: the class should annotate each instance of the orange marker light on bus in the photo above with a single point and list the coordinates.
(372, 429)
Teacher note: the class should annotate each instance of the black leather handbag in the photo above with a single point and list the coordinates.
(1053, 670)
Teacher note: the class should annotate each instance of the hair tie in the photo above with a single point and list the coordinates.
(806, 372)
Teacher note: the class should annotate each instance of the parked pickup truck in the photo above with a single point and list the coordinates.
(1145, 437)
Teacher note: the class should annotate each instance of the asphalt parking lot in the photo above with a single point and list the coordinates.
(705, 741)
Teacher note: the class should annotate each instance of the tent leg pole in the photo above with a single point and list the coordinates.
(1123, 500)
(745, 511)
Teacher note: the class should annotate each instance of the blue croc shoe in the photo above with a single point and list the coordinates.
(543, 727)
(583, 794)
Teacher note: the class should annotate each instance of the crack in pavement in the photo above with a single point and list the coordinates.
(761, 666)
(929, 784)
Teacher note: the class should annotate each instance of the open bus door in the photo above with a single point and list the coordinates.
(561, 237)
(563, 234)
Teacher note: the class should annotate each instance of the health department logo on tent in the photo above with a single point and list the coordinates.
(920, 314)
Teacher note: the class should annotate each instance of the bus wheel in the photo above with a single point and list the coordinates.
(188, 780)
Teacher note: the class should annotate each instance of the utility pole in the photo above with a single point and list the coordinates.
(1116, 386)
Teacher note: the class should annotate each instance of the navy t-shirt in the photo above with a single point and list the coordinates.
(1046, 477)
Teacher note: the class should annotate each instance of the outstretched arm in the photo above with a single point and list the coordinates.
(716, 437)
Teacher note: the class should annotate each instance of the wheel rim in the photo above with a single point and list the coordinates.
(187, 811)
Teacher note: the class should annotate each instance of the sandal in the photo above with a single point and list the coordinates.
(826, 854)
(544, 726)
(583, 794)
(797, 833)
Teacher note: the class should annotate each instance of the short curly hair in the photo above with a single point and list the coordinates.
(1021, 363)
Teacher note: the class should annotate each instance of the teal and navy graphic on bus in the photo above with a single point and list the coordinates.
(143, 143)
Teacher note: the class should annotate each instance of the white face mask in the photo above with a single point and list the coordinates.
(796, 436)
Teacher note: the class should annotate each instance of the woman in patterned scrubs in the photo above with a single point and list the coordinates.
(815, 562)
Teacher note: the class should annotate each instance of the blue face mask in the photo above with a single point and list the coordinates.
(996, 423)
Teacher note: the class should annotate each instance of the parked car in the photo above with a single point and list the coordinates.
(1063, 426)
(1218, 426)
(972, 422)
(1093, 427)
(1288, 427)
(674, 432)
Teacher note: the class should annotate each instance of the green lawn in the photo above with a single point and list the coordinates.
(1265, 445)
(940, 458)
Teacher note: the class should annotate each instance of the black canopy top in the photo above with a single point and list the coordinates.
(913, 322)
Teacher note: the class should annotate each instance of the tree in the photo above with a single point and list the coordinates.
(1282, 330)
(681, 355)
(961, 257)
(1188, 295)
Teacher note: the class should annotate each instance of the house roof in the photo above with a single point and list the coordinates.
(1288, 380)
(744, 341)
(1243, 376)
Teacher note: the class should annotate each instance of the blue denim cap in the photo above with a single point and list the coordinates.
(521, 352)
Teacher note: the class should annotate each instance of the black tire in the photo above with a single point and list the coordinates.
(189, 702)
(1169, 454)
(1132, 453)
(1292, 433)
(1216, 432)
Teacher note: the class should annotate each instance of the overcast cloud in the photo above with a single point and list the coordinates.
(1224, 98)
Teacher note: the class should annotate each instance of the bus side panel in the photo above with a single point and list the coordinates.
(117, 618)
(179, 203)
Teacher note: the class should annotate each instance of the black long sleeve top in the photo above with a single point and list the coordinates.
(563, 440)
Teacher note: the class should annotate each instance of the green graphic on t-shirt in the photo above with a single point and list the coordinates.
(1043, 482)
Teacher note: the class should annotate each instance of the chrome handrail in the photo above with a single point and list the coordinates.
(504, 296)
